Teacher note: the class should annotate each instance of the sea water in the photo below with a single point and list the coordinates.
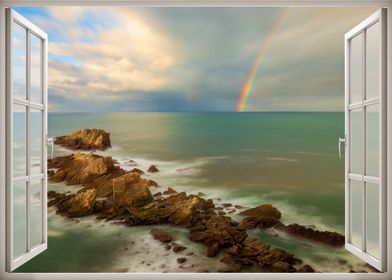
(287, 159)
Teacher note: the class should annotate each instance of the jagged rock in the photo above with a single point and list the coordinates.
(85, 139)
(265, 210)
(326, 237)
(262, 222)
(77, 205)
(161, 235)
(79, 168)
(219, 230)
(130, 190)
(170, 191)
(181, 260)
(153, 169)
(152, 183)
(138, 171)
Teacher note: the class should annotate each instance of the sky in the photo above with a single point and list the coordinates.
(110, 59)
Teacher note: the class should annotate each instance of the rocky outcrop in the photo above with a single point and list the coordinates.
(130, 190)
(326, 237)
(85, 139)
(74, 205)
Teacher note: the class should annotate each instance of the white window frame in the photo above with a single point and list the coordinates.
(32, 30)
(200, 3)
(377, 17)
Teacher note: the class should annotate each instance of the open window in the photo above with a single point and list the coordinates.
(26, 137)
(365, 114)
(365, 139)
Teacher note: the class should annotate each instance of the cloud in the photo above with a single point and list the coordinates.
(129, 55)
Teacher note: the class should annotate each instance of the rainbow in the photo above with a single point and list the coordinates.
(247, 87)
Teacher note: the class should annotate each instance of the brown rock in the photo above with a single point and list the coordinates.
(213, 250)
(161, 235)
(326, 237)
(282, 267)
(170, 191)
(138, 171)
(265, 210)
(181, 260)
(178, 248)
(130, 190)
(77, 205)
(306, 268)
(153, 169)
(85, 139)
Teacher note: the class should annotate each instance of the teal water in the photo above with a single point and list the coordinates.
(287, 159)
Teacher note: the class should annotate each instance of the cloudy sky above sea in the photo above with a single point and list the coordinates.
(195, 59)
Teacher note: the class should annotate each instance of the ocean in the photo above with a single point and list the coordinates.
(284, 158)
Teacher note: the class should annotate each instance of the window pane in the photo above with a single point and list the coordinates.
(356, 145)
(373, 220)
(19, 140)
(36, 212)
(19, 61)
(19, 218)
(36, 141)
(372, 140)
(35, 84)
(356, 64)
(356, 197)
(373, 61)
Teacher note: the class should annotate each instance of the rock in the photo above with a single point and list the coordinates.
(220, 230)
(265, 210)
(252, 248)
(77, 205)
(178, 248)
(131, 163)
(282, 267)
(80, 168)
(181, 260)
(200, 194)
(239, 207)
(85, 139)
(130, 190)
(157, 194)
(161, 235)
(153, 169)
(306, 268)
(168, 247)
(261, 221)
(232, 266)
(152, 183)
(138, 171)
(170, 191)
(227, 205)
(213, 250)
(326, 237)
(276, 255)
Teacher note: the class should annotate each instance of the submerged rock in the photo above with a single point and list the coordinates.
(161, 235)
(85, 139)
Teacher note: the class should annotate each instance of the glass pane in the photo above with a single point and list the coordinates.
(356, 63)
(19, 140)
(35, 84)
(19, 61)
(35, 141)
(356, 145)
(356, 197)
(19, 218)
(373, 220)
(372, 140)
(373, 61)
(35, 212)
